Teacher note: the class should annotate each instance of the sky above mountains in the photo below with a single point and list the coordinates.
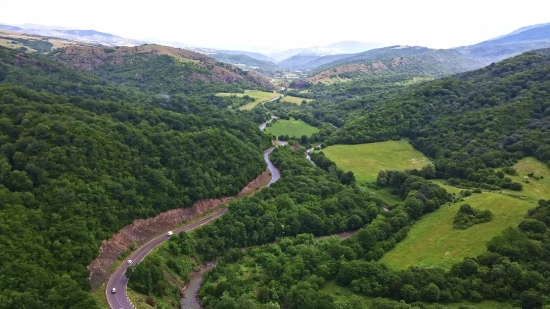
(284, 24)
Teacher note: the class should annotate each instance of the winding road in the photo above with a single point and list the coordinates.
(118, 280)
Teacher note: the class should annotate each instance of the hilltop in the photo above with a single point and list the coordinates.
(33, 43)
(514, 43)
(161, 69)
(90, 37)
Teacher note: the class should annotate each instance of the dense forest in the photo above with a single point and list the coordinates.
(76, 166)
(469, 123)
(293, 271)
(138, 131)
(307, 199)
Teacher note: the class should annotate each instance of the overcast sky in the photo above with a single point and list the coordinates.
(287, 24)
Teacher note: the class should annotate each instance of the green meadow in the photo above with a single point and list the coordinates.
(260, 96)
(366, 160)
(291, 128)
(295, 100)
(433, 241)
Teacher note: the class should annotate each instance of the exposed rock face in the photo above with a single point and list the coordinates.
(399, 61)
(142, 230)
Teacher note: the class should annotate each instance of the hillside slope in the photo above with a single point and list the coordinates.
(76, 169)
(519, 41)
(161, 69)
(431, 61)
(246, 62)
(471, 121)
(89, 37)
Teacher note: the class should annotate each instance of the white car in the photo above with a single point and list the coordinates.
(113, 290)
(170, 233)
(130, 261)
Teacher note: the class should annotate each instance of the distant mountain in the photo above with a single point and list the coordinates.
(31, 43)
(10, 28)
(247, 63)
(254, 55)
(401, 51)
(86, 33)
(413, 60)
(309, 61)
(514, 43)
(344, 47)
(85, 36)
(161, 69)
(280, 56)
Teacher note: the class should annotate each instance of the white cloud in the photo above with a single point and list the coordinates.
(288, 23)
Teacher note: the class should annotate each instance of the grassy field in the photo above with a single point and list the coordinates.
(433, 241)
(291, 128)
(295, 100)
(366, 160)
(260, 96)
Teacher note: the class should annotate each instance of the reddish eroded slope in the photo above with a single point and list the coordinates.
(142, 230)
(91, 58)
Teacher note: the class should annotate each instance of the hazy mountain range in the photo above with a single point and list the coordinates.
(86, 36)
(318, 57)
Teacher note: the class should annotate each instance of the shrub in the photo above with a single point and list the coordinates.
(468, 216)
(150, 300)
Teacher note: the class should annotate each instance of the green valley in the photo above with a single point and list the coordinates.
(353, 175)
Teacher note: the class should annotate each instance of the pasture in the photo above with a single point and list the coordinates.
(291, 128)
(366, 160)
(259, 96)
(433, 241)
(295, 100)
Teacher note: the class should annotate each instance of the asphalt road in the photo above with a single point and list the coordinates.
(275, 175)
(118, 280)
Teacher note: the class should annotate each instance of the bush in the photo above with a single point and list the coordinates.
(468, 216)
(150, 300)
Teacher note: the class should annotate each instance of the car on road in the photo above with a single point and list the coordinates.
(170, 233)
(130, 261)
(113, 290)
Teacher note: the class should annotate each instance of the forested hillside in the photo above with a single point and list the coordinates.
(76, 169)
(469, 122)
(305, 200)
(40, 74)
(160, 69)
(292, 271)
(442, 60)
